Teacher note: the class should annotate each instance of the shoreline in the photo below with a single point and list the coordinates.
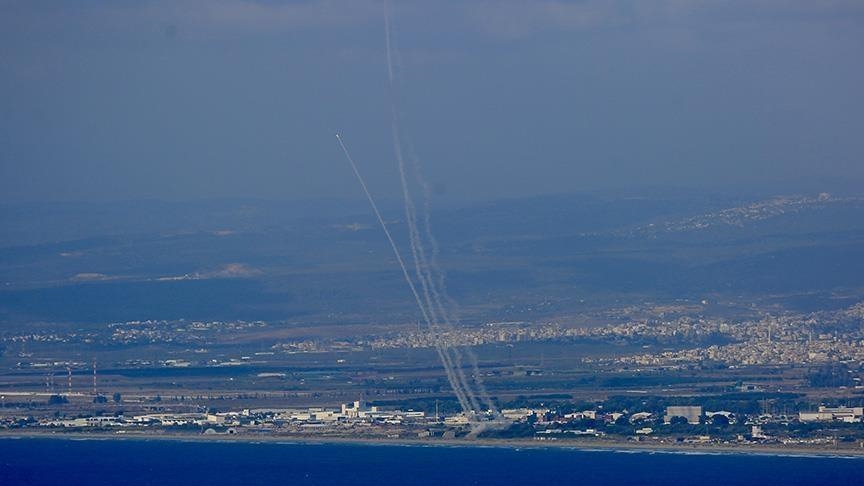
(605, 446)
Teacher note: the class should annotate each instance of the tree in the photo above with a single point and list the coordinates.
(117, 397)
(678, 420)
(57, 400)
(720, 419)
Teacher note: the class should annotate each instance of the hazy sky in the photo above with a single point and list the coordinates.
(176, 99)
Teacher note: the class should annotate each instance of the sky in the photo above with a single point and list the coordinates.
(109, 100)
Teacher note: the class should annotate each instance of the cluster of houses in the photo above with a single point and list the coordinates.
(688, 414)
(358, 411)
(545, 420)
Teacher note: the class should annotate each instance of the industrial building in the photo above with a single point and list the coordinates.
(692, 413)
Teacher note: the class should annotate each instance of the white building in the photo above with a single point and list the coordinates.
(691, 413)
(828, 414)
(358, 409)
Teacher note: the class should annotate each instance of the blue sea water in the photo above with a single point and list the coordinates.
(142, 462)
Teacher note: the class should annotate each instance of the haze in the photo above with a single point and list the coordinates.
(189, 99)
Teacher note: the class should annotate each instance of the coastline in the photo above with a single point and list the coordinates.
(599, 446)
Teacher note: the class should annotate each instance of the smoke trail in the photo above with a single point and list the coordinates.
(429, 274)
(421, 265)
(428, 283)
(449, 307)
(391, 77)
(454, 380)
(460, 384)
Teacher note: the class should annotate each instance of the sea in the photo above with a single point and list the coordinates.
(37, 461)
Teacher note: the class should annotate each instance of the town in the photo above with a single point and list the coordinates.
(662, 375)
(672, 425)
(787, 339)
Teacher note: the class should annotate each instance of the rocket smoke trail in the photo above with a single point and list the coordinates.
(442, 352)
(448, 302)
(451, 358)
(438, 304)
(429, 291)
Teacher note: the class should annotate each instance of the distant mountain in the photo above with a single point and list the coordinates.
(525, 258)
(758, 211)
